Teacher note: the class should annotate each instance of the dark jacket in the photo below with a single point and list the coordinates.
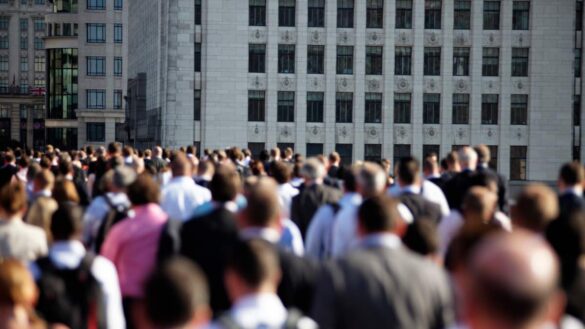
(305, 204)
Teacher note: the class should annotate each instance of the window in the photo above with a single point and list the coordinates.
(520, 62)
(96, 33)
(344, 59)
(257, 13)
(286, 106)
(315, 59)
(4, 42)
(375, 14)
(198, 57)
(579, 19)
(39, 24)
(521, 15)
(197, 12)
(403, 14)
(40, 2)
(96, 4)
(286, 13)
(491, 15)
(256, 105)
(403, 61)
(462, 20)
(519, 110)
(95, 66)
(118, 4)
(314, 149)
(518, 155)
(576, 110)
(257, 58)
(461, 61)
(489, 109)
(431, 149)
(39, 64)
(283, 146)
(23, 86)
(493, 157)
(96, 98)
(373, 153)
(577, 63)
(117, 99)
(96, 132)
(256, 149)
(24, 42)
(39, 43)
(432, 65)
(401, 151)
(316, 13)
(118, 66)
(118, 33)
(315, 107)
(433, 14)
(373, 108)
(197, 105)
(4, 63)
(460, 109)
(374, 60)
(345, 13)
(491, 62)
(432, 108)
(4, 22)
(345, 153)
(344, 107)
(286, 58)
(402, 108)
(23, 25)
(24, 64)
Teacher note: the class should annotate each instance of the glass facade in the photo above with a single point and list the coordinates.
(62, 83)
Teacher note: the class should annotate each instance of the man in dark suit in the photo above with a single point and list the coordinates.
(409, 181)
(381, 284)
(484, 158)
(261, 220)
(313, 195)
(208, 237)
(9, 169)
(457, 187)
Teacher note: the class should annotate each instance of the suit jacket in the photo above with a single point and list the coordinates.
(6, 174)
(502, 187)
(383, 288)
(305, 204)
(207, 241)
(421, 208)
(576, 296)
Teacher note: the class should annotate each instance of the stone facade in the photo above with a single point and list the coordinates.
(531, 151)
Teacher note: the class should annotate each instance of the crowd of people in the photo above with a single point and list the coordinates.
(122, 238)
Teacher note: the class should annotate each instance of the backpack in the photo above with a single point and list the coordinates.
(115, 214)
(293, 318)
(71, 296)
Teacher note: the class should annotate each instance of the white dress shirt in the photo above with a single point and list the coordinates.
(181, 196)
(68, 255)
(97, 211)
(319, 237)
(286, 192)
(345, 227)
(263, 310)
(430, 191)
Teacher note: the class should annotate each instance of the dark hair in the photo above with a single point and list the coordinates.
(65, 167)
(349, 178)
(143, 191)
(174, 292)
(13, 198)
(225, 184)
(24, 161)
(422, 237)
(113, 148)
(280, 171)
(378, 214)
(483, 153)
(9, 156)
(572, 173)
(408, 170)
(66, 222)
(254, 261)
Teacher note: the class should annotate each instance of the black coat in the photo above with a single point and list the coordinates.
(305, 204)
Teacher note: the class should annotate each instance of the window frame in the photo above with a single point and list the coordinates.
(402, 108)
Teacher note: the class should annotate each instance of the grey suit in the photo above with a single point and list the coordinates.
(383, 287)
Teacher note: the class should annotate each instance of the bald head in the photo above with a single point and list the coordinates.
(468, 158)
(479, 206)
(263, 207)
(181, 166)
(514, 280)
(536, 206)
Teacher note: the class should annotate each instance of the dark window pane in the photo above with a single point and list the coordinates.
(256, 105)
(344, 108)
(345, 13)
(433, 14)
(375, 14)
(403, 61)
(315, 59)
(521, 15)
(257, 12)
(518, 162)
(315, 107)
(373, 110)
(491, 62)
(400, 151)
(316, 13)
(432, 61)
(461, 109)
(402, 108)
(462, 20)
(431, 108)
(374, 60)
(491, 15)
(286, 58)
(314, 149)
(286, 106)
(286, 13)
(519, 110)
(345, 152)
(520, 62)
(461, 61)
(344, 59)
(489, 109)
(373, 153)
(403, 14)
(197, 105)
(257, 58)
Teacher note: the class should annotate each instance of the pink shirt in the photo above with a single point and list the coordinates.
(132, 246)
